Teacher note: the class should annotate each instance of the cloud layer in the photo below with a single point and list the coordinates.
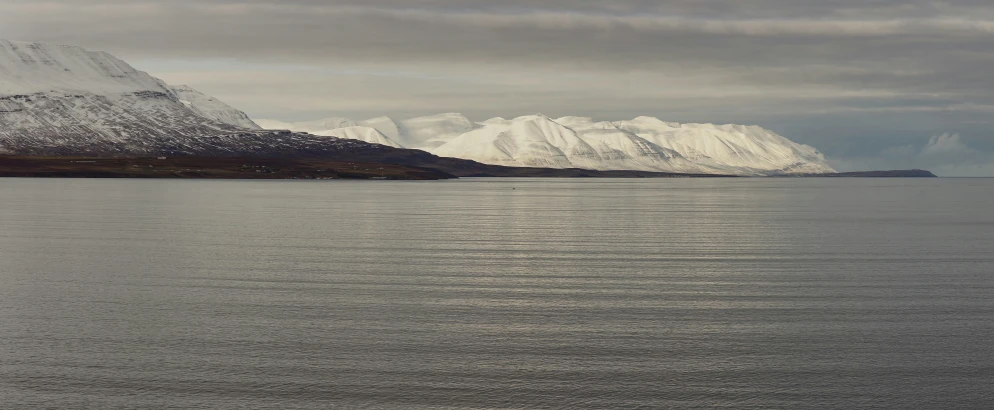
(859, 80)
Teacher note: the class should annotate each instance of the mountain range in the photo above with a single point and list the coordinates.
(643, 144)
(65, 100)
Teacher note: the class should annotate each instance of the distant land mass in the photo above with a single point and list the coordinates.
(643, 144)
(65, 101)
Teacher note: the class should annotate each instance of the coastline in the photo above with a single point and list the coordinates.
(191, 167)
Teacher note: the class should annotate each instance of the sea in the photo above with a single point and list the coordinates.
(754, 293)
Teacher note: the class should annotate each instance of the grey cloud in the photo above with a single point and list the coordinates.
(849, 76)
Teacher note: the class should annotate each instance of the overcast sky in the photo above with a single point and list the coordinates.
(872, 83)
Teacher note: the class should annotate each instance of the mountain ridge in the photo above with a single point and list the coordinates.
(644, 143)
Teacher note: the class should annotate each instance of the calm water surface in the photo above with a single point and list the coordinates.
(753, 293)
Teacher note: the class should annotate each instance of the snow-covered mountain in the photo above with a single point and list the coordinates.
(642, 144)
(57, 98)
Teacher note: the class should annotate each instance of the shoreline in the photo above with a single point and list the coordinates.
(191, 167)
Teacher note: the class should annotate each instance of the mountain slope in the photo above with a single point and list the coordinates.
(212, 108)
(730, 146)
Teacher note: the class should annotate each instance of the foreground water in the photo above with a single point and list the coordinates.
(762, 293)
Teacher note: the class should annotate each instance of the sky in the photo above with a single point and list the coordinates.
(874, 84)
